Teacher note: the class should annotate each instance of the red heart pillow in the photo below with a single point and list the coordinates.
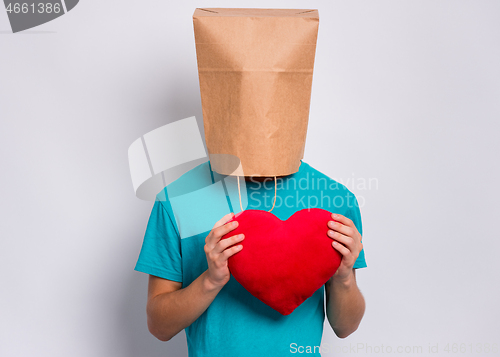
(283, 263)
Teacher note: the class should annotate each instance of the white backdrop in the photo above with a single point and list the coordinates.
(405, 111)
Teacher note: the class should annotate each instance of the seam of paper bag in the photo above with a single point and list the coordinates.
(297, 13)
(215, 12)
(303, 12)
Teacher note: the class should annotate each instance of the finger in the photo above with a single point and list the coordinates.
(341, 228)
(224, 243)
(345, 240)
(230, 251)
(220, 227)
(223, 220)
(217, 233)
(343, 219)
(341, 249)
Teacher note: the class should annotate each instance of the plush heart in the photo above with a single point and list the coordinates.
(283, 263)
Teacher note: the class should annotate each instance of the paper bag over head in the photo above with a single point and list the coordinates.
(255, 68)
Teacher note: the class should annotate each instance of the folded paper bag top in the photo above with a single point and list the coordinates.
(255, 68)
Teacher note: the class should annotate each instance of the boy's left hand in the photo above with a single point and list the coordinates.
(347, 241)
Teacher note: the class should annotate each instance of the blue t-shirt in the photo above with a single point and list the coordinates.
(236, 323)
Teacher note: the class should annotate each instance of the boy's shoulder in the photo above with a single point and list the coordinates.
(202, 176)
(322, 180)
(192, 180)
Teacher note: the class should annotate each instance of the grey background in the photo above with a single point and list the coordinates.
(404, 92)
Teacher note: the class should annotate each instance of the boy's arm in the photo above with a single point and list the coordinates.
(345, 305)
(170, 308)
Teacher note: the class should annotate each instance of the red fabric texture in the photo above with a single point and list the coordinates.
(283, 263)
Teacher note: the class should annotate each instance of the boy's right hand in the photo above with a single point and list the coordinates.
(218, 251)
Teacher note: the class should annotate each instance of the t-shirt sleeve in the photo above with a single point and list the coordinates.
(161, 250)
(354, 214)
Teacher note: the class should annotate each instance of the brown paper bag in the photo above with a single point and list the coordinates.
(255, 69)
